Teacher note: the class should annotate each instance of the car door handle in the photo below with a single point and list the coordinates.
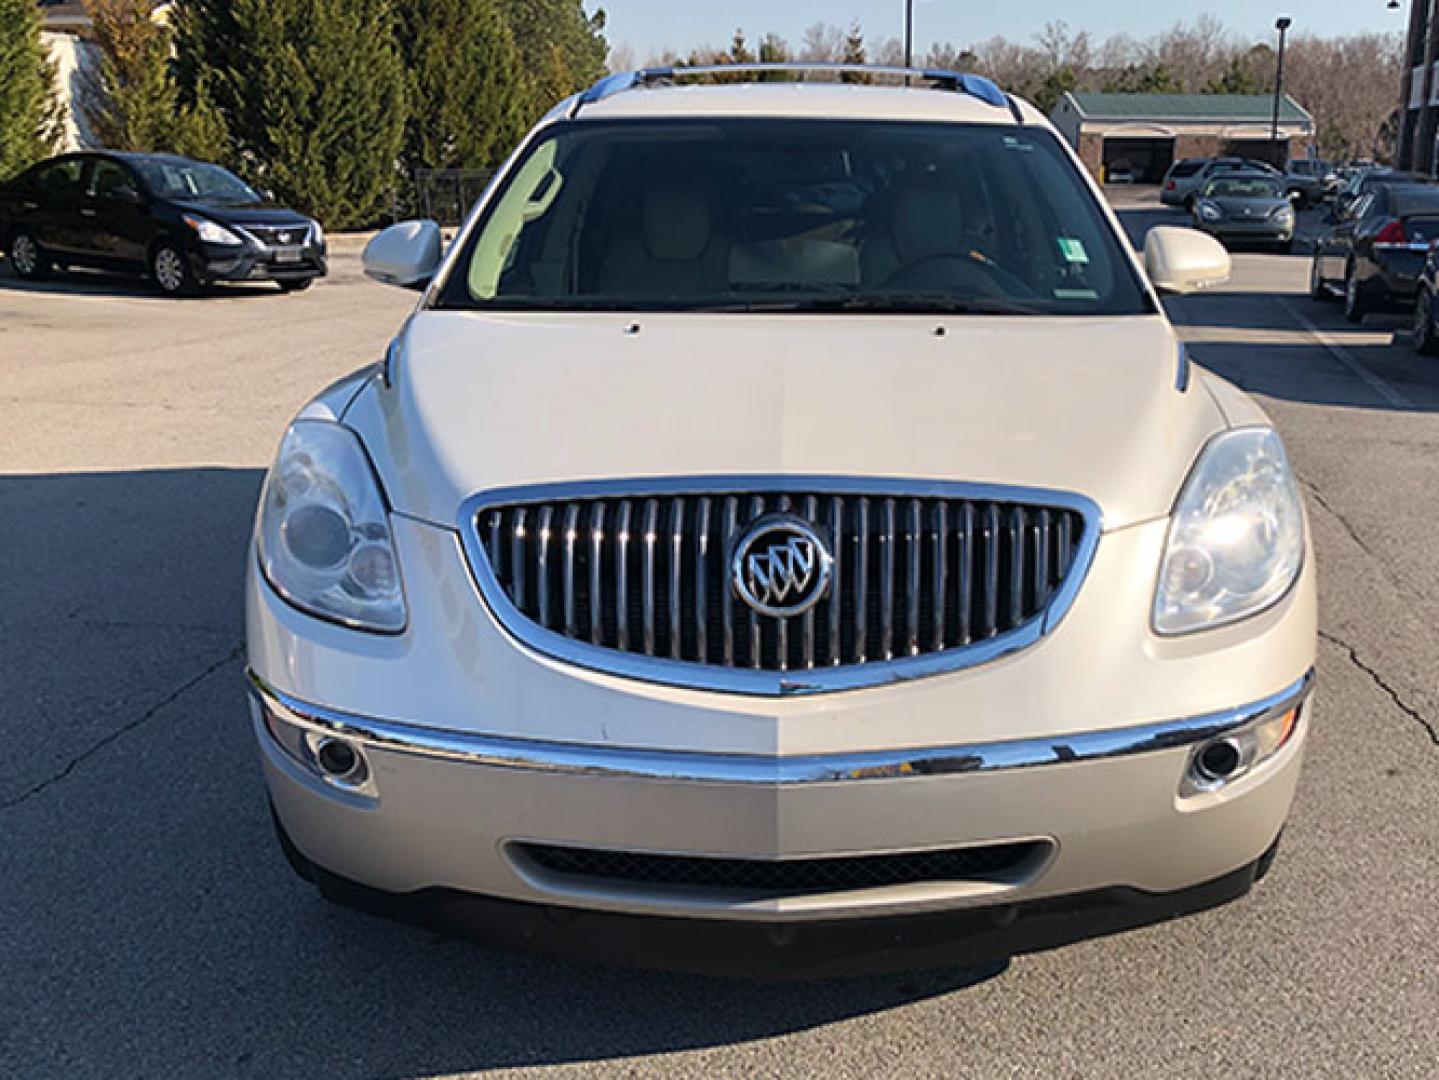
(87, 212)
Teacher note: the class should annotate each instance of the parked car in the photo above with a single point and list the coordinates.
(1375, 250)
(1365, 181)
(788, 513)
(185, 224)
(1426, 311)
(1321, 178)
(1243, 206)
(1174, 188)
(1183, 183)
(1303, 180)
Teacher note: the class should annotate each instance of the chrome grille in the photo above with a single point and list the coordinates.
(937, 572)
(272, 236)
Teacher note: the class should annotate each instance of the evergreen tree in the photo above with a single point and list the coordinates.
(739, 50)
(854, 53)
(30, 116)
(466, 87)
(774, 50)
(131, 101)
(1237, 79)
(562, 48)
(313, 94)
(1054, 86)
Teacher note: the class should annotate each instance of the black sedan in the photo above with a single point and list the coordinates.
(183, 223)
(1375, 249)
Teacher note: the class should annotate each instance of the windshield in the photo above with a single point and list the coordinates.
(1246, 187)
(795, 215)
(194, 180)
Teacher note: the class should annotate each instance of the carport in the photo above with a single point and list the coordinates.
(1145, 133)
(1147, 157)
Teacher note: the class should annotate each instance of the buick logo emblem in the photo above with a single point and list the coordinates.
(781, 566)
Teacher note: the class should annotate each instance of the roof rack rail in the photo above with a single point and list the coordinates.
(976, 86)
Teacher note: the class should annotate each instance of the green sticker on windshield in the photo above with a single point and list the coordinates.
(1072, 250)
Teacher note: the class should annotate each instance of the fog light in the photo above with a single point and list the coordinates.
(338, 759)
(1218, 761)
(1225, 758)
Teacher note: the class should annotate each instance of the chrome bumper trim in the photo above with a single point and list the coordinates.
(763, 770)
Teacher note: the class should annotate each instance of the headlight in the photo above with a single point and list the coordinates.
(1282, 212)
(324, 537)
(1209, 212)
(211, 232)
(317, 236)
(1236, 540)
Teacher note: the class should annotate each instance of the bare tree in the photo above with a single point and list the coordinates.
(1345, 83)
(822, 43)
(622, 57)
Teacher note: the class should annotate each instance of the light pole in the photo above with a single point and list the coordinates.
(1282, 24)
(909, 33)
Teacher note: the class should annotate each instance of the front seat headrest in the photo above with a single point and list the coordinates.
(676, 223)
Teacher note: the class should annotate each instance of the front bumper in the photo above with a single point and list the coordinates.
(253, 263)
(452, 811)
(1239, 229)
(978, 940)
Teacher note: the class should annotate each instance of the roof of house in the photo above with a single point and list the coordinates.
(63, 14)
(1181, 108)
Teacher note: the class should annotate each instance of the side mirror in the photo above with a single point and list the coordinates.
(1184, 260)
(407, 254)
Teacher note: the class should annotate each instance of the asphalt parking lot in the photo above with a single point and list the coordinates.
(149, 928)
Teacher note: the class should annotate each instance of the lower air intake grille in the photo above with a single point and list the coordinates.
(781, 878)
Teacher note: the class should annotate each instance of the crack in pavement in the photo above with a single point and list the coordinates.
(1385, 568)
(1408, 710)
(1319, 497)
(90, 751)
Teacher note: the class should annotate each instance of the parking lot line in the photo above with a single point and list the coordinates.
(1356, 366)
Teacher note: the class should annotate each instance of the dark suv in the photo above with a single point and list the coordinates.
(183, 223)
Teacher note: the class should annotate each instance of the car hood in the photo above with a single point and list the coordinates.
(243, 214)
(1088, 406)
(1252, 207)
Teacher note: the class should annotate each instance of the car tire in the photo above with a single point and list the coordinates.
(1285, 247)
(27, 258)
(1356, 304)
(170, 271)
(1426, 342)
(1317, 287)
(299, 285)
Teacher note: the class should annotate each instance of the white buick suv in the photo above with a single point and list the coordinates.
(788, 533)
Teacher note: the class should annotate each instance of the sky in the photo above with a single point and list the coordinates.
(653, 25)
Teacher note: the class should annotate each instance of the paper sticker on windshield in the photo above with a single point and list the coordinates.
(1072, 250)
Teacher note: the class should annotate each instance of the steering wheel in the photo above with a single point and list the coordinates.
(975, 269)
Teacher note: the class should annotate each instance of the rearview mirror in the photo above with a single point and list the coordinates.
(407, 254)
(1184, 260)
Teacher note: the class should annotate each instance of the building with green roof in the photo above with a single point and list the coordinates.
(1139, 136)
